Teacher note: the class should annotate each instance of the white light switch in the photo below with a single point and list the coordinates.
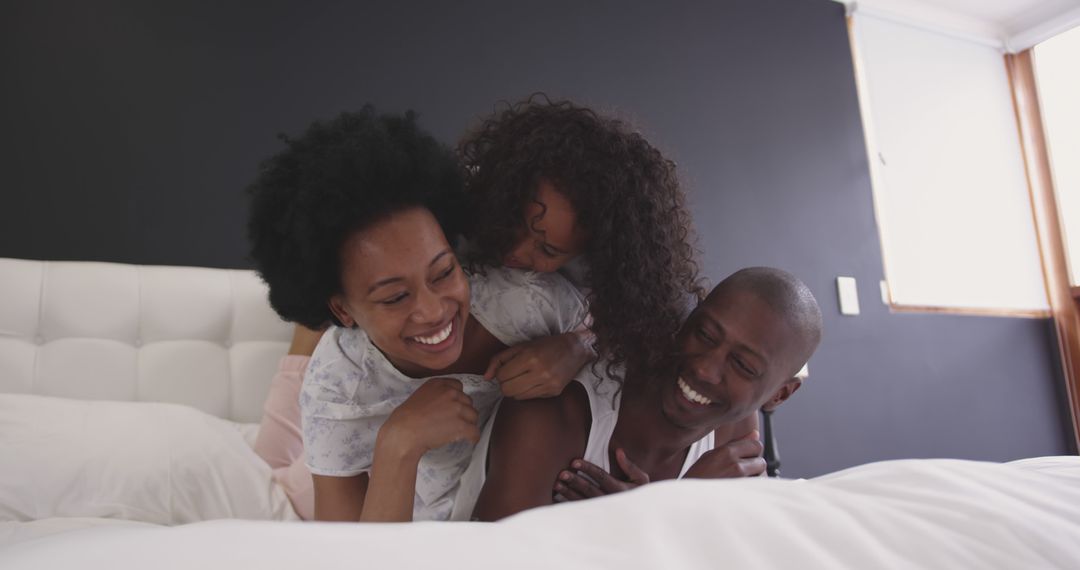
(849, 295)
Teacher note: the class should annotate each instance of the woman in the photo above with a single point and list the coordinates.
(347, 226)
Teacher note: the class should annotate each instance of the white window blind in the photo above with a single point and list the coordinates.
(1057, 74)
(950, 190)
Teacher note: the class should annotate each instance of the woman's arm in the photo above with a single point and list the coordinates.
(339, 498)
(436, 414)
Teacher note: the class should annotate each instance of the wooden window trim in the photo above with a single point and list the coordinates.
(1063, 304)
(973, 311)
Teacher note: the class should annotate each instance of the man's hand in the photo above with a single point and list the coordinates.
(540, 368)
(738, 458)
(574, 486)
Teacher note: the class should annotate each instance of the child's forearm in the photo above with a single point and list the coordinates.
(392, 487)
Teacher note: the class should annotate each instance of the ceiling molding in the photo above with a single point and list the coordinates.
(931, 17)
(939, 16)
(1042, 31)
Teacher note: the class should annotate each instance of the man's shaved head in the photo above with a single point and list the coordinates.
(785, 294)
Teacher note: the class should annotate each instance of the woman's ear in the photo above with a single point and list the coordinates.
(782, 393)
(337, 308)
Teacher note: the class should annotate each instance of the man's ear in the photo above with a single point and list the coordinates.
(337, 308)
(782, 393)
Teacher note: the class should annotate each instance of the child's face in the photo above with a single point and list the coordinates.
(550, 236)
(735, 354)
(403, 286)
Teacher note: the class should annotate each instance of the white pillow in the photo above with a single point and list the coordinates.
(142, 461)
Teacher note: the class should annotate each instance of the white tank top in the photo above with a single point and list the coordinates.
(604, 398)
(604, 404)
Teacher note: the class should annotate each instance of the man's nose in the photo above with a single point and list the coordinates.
(709, 367)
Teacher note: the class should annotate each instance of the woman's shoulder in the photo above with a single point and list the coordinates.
(340, 360)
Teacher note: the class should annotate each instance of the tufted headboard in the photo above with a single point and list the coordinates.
(202, 337)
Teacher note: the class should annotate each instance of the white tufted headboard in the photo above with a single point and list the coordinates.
(106, 331)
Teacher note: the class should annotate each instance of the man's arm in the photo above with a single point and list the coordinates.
(531, 441)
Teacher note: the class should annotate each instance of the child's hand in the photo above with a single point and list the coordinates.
(436, 414)
(540, 368)
(738, 458)
(573, 486)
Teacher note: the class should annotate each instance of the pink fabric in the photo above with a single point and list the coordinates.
(280, 442)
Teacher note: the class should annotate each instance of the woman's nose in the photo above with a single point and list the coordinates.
(428, 307)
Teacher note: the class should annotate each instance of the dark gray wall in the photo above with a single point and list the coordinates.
(129, 131)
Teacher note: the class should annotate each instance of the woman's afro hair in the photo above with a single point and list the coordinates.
(642, 268)
(337, 178)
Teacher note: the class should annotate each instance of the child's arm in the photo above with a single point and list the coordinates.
(543, 367)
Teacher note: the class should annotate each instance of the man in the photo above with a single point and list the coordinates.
(738, 352)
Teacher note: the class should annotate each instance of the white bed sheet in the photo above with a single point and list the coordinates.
(896, 514)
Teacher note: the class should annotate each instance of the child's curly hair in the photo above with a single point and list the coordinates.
(338, 178)
(642, 268)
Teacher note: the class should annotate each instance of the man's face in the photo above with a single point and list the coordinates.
(735, 354)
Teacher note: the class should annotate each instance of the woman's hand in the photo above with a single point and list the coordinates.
(573, 486)
(738, 458)
(436, 414)
(540, 368)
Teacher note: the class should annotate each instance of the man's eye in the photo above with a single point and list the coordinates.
(703, 335)
(395, 299)
(743, 367)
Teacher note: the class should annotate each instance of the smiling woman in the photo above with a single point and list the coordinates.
(413, 312)
(349, 226)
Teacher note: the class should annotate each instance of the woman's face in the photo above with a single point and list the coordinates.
(550, 236)
(403, 286)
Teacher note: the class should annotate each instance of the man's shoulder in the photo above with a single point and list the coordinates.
(560, 419)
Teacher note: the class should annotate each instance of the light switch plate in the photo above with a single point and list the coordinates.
(849, 295)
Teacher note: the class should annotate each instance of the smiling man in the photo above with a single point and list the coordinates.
(738, 352)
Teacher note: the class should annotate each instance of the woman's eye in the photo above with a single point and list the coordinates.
(703, 335)
(447, 273)
(395, 299)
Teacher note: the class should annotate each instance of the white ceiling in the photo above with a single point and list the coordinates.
(1013, 25)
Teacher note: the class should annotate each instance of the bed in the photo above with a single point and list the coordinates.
(129, 398)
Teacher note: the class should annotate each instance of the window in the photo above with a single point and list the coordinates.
(950, 190)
